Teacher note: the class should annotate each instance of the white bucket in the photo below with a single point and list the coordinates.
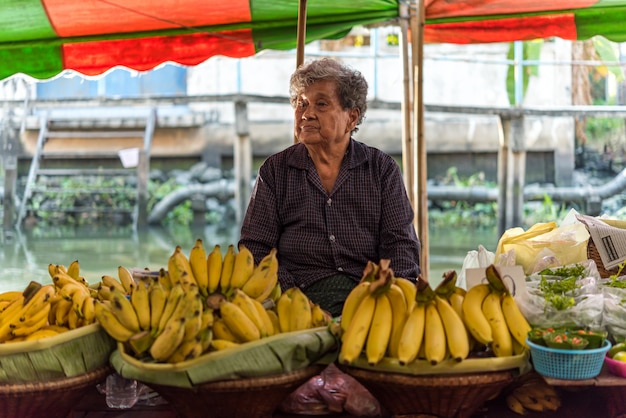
(129, 157)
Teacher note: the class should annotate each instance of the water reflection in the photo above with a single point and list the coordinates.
(25, 256)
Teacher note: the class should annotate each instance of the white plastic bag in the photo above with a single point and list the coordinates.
(480, 258)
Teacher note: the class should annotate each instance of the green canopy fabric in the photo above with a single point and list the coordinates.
(42, 38)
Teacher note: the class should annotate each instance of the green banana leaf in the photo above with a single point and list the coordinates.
(69, 354)
(274, 355)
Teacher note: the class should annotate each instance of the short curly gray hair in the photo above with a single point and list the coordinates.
(351, 85)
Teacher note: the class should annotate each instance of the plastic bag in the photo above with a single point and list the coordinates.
(331, 392)
(474, 259)
(564, 244)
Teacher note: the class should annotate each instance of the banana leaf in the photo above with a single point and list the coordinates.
(69, 354)
(521, 362)
(274, 355)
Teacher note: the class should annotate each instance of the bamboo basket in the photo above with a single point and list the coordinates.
(444, 396)
(51, 399)
(593, 254)
(257, 397)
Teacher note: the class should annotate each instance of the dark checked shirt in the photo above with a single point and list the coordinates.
(367, 216)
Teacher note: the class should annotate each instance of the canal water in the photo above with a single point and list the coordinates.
(25, 256)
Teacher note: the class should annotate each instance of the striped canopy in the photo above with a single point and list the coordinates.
(42, 38)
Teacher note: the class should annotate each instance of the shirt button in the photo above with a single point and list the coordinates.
(329, 201)
(339, 268)
(332, 238)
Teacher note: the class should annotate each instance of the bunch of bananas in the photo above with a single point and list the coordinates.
(493, 317)
(531, 393)
(166, 321)
(73, 305)
(24, 314)
(241, 318)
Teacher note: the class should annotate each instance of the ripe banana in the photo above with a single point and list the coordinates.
(165, 280)
(515, 320)
(412, 335)
(126, 279)
(238, 322)
(353, 339)
(319, 317)
(173, 299)
(41, 333)
(380, 330)
(214, 268)
(399, 316)
(435, 346)
(111, 324)
(179, 269)
(244, 302)
(88, 311)
(158, 298)
(410, 291)
(10, 295)
(264, 278)
(474, 318)
(73, 270)
(352, 303)
(502, 345)
(168, 341)
(228, 264)
(124, 311)
(198, 263)
(187, 350)
(193, 321)
(113, 283)
(243, 267)
(222, 332)
(268, 324)
(300, 312)
(140, 300)
(283, 310)
(218, 345)
(456, 334)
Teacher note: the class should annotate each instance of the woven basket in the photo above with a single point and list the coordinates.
(593, 254)
(445, 396)
(52, 399)
(257, 397)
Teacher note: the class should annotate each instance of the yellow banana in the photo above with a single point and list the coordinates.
(410, 291)
(275, 293)
(238, 322)
(412, 335)
(113, 283)
(73, 320)
(207, 317)
(243, 267)
(140, 343)
(166, 343)
(352, 303)
(222, 332)
(187, 350)
(124, 310)
(198, 263)
(34, 323)
(300, 312)
(165, 280)
(10, 295)
(515, 319)
(435, 347)
(502, 345)
(73, 270)
(244, 302)
(283, 310)
(456, 333)
(474, 318)
(31, 320)
(140, 300)
(41, 333)
(214, 268)
(353, 339)
(514, 404)
(274, 318)
(319, 317)
(179, 269)
(61, 312)
(399, 315)
(104, 292)
(173, 299)
(268, 324)
(218, 345)
(158, 298)
(126, 279)
(456, 301)
(264, 277)
(380, 330)
(193, 321)
(228, 265)
(111, 324)
(88, 310)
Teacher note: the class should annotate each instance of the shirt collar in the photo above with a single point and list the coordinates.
(356, 154)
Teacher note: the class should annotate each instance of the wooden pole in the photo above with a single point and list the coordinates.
(407, 105)
(300, 40)
(419, 157)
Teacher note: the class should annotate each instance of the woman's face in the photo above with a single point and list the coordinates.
(319, 116)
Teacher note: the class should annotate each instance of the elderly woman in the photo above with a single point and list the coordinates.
(330, 203)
